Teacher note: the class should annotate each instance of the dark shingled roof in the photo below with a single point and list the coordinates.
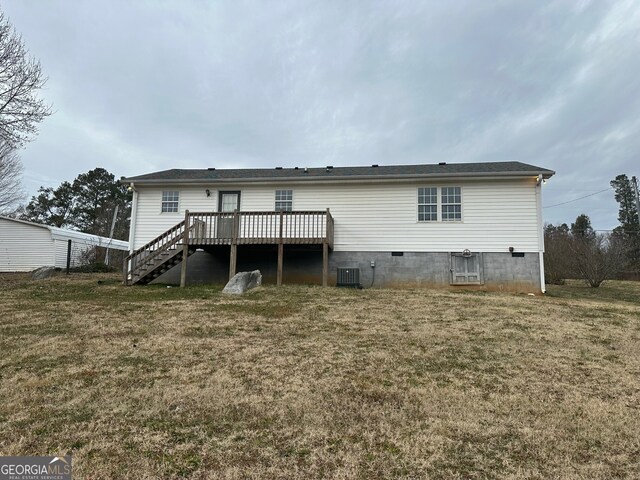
(212, 175)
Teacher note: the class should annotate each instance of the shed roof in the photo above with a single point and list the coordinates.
(371, 172)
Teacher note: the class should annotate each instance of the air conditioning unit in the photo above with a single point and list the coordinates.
(349, 277)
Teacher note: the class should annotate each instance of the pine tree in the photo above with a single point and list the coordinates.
(582, 228)
(629, 229)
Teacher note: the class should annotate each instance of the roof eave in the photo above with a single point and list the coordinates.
(349, 178)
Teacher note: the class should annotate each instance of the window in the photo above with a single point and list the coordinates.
(169, 202)
(428, 204)
(229, 201)
(284, 200)
(439, 203)
(451, 204)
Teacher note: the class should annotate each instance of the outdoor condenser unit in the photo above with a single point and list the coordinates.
(349, 277)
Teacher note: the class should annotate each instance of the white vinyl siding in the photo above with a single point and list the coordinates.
(150, 222)
(77, 253)
(80, 243)
(380, 216)
(24, 247)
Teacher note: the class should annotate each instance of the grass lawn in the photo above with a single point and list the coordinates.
(305, 382)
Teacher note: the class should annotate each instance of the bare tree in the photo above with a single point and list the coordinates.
(598, 258)
(20, 79)
(11, 192)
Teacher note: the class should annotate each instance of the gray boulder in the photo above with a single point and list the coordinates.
(243, 281)
(42, 273)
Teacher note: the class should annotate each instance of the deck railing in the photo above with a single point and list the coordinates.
(300, 227)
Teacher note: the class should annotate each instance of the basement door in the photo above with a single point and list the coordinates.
(228, 202)
(466, 269)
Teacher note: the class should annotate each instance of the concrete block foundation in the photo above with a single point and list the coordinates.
(500, 270)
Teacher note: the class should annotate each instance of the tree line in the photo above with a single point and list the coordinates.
(87, 204)
(578, 251)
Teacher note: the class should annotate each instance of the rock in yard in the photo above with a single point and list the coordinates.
(243, 281)
(42, 273)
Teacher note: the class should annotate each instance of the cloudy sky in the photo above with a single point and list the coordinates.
(144, 86)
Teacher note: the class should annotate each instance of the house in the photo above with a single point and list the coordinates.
(25, 246)
(400, 225)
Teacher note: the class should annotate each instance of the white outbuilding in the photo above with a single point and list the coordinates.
(25, 246)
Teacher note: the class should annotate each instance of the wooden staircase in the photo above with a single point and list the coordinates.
(208, 229)
(157, 257)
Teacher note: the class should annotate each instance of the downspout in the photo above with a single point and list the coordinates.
(539, 184)
(134, 215)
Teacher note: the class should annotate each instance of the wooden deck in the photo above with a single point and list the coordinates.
(204, 229)
(252, 228)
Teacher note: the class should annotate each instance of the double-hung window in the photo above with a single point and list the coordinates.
(428, 204)
(442, 204)
(451, 204)
(170, 201)
(284, 200)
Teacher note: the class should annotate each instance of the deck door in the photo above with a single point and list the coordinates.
(228, 202)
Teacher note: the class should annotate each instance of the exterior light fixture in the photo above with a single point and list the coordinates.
(208, 192)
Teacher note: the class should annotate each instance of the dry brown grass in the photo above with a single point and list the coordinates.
(305, 382)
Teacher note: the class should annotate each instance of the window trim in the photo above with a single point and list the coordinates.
(275, 199)
(163, 201)
(439, 204)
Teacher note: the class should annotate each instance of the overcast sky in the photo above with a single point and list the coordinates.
(144, 86)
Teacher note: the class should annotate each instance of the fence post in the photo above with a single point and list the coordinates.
(125, 272)
(185, 250)
(68, 255)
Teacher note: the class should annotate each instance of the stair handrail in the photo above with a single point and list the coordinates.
(174, 234)
(148, 245)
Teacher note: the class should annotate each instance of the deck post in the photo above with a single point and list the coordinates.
(280, 255)
(233, 258)
(325, 263)
(185, 250)
(280, 251)
(328, 233)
